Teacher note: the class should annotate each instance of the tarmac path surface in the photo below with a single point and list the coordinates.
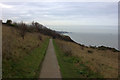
(50, 67)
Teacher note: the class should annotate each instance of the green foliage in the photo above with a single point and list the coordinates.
(37, 27)
(107, 48)
(73, 67)
(9, 22)
(26, 67)
(68, 53)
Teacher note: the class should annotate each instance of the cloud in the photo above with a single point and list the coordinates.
(59, 0)
(60, 13)
(5, 6)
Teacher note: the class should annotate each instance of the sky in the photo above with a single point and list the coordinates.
(66, 16)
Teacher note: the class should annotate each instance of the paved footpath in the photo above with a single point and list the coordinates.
(50, 67)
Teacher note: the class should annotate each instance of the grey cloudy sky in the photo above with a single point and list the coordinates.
(56, 14)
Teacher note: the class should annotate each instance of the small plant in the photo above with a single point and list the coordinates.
(82, 48)
(39, 37)
(89, 51)
(94, 47)
(68, 53)
(107, 48)
(92, 59)
(76, 60)
(23, 29)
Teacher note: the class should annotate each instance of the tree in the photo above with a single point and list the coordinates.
(9, 22)
(23, 29)
(37, 26)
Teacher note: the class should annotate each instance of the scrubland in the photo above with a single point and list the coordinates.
(21, 58)
(102, 63)
(22, 55)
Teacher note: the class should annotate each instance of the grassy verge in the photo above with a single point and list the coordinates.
(26, 67)
(73, 67)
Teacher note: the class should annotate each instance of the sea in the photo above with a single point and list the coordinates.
(91, 35)
(95, 39)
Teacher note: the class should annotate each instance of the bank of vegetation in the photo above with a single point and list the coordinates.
(22, 52)
(84, 62)
(24, 46)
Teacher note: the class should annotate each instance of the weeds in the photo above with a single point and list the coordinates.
(27, 66)
(22, 29)
(39, 37)
(89, 51)
(73, 67)
(107, 48)
(21, 58)
(68, 53)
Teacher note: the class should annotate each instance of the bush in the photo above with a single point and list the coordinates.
(9, 22)
(107, 48)
(82, 48)
(7, 47)
(89, 51)
(94, 47)
(39, 37)
(37, 27)
(23, 29)
(68, 53)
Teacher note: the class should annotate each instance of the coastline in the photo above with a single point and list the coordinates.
(102, 47)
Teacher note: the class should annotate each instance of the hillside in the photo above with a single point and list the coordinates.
(86, 62)
(24, 47)
(22, 57)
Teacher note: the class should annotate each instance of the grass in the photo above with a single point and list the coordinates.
(21, 58)
(98, 61)
(73, 67)
(28, 66)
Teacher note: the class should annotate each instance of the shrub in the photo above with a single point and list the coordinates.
(37, 27)
(23, 28)
(89, 51)
(66, 49)
(94, 47)
(39, 37)
(76, 60)
(7, 47)
(92, 59)
(107, 48)
(68, 53)
(9, 22)
(14, 24)
(82, 48)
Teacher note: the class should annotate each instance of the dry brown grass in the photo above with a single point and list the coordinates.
(101, 61)
(14, 46)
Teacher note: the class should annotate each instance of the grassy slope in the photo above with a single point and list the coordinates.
(73, 67)
(28, 66)
(83, 60)
(22, 58)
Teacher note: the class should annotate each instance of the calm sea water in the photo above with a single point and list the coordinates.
(99, 39)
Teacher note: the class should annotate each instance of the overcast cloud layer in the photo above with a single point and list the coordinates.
(63, 13)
